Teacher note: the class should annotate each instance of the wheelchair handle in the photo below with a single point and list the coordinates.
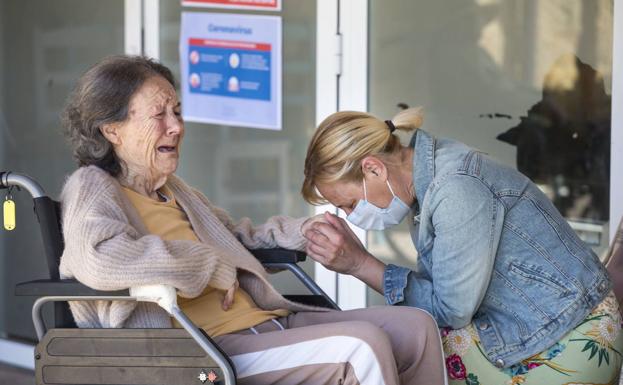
(8, 179)
(164, 295)
(46, 215)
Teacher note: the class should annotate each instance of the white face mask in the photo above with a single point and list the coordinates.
(371, 217)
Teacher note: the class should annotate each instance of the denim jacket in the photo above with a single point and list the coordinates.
(493, 251)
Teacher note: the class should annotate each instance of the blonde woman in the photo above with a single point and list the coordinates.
(520, 298)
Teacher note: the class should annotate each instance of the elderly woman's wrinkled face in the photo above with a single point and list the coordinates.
(148, 142)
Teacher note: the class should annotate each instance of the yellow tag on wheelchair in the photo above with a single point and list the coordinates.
(8, 210)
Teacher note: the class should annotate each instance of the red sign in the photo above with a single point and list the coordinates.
(267, 5)
(229, 44)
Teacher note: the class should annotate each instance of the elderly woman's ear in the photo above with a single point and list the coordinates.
(111, 132)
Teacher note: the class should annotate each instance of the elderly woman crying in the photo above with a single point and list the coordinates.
(128, 221)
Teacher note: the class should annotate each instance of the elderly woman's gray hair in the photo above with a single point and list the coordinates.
(102, 96)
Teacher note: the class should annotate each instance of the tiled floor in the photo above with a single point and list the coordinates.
(14, 376)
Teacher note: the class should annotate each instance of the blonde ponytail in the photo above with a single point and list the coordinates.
(409, 119)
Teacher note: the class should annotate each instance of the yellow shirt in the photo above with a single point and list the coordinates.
(169, 221)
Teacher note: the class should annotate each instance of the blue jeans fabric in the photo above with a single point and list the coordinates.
(493, 251)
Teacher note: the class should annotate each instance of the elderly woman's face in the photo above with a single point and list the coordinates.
(149, 140)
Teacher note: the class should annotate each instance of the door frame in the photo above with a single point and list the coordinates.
(328, 69)
(616, 130)
(341, 84)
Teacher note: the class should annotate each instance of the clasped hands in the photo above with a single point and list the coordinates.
(332, 243)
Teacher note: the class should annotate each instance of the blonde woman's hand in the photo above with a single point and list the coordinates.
(228, 301)
(332, 243)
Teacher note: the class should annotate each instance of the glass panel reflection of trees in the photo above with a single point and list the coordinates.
(563, 142)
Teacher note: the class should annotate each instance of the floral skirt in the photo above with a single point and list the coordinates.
(588, 354)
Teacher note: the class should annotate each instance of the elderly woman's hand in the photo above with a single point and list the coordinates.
(228, 301)
(311, 220)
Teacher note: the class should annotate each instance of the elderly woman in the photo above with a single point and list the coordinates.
(128, 220)
(521, 298)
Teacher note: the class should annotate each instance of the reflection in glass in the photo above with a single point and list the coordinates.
(563, 144)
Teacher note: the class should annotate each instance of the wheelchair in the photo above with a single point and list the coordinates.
(66, 354)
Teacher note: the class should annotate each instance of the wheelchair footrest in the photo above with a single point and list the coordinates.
(123, 356)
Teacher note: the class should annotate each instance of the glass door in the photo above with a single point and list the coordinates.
(45, 46)
(528, 82)
(252, 172)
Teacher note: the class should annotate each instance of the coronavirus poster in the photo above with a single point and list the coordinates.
(231, 69)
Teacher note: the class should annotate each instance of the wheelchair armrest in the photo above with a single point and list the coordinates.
(278, 255)
(313, 300)
(63, 287)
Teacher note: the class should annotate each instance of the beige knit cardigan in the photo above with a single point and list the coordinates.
(107, 247)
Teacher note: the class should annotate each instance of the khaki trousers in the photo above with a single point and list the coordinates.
(375, 346)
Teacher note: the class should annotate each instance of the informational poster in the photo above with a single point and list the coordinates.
(231, 69)
(263, 5)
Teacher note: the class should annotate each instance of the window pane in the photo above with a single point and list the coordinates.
(43, 50)
(527, 82)
(252, 172)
